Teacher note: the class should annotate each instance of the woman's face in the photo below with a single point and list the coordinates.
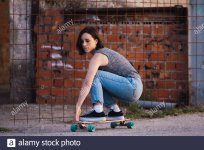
(88, 42)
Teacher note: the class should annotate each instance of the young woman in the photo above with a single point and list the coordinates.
(109, 76)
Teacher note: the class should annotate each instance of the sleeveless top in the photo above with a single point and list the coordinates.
(117, 64)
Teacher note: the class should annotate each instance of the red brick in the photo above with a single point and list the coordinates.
(146, 48)
(41, 100)
(60, 92)
(113, 38)
(80, 74)
(158, 29)
(172, 57)
(165, 75)
(161, 93)
(86, 64)
(66, 45)
(47, 29)
(157, 57)
(53, 12)
(59, 73)
(75, 92)
(136, 56)
(43, 74)
(42, 83)
(42, 38)
(43, 92)
(174, 94)
(39, 64)
(68, 83)
(183, 57)
(147, 29)
(58, 82)
(122, 52)
(71, 37)
(147, 74)
(158, 47)
(67, 92)
(58, 20)
(143, 74)
(48, 20)
(55, 37)
(114, 46)
(139, 66)
(179, 75)
(68, 74)
(78, 83)
(127, 29)
(171, 66)
(88, 56)
(148, 65)
(165, 84)
(182, 85)
(43, 55)
(78, 65)
(159, 66)
(75, 55)
(182, 67)
(114, 29)
(63, 100)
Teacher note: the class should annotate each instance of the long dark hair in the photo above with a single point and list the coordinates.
(94, 33)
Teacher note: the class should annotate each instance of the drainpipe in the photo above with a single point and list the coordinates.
(152, 104)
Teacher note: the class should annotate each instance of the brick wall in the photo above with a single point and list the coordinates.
(157, 50)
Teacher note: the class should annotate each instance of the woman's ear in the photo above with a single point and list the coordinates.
(96, 40)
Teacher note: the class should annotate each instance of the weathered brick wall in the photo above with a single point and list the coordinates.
(158, 52)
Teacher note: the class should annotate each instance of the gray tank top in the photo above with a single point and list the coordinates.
(118, 64)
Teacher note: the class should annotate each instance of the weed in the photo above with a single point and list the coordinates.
(135, 112)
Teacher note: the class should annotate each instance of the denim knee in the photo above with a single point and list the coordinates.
(99, 73)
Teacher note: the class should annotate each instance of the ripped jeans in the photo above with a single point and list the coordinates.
(107, 85)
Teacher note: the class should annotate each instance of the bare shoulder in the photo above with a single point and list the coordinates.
(101, 59)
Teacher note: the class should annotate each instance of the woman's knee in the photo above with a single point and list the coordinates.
(97, 77)
(99, 73)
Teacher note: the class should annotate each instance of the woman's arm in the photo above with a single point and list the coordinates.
(96, 61)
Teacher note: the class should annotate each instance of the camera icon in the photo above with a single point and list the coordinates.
(11, 142)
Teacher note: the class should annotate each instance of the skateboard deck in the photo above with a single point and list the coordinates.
(90, 126)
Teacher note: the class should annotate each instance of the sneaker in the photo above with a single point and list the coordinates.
(93, 116)
(112, 115)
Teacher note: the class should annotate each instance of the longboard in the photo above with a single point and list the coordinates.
(90, 126)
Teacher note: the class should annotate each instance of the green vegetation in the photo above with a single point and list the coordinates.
(134, 111)
(4, 129)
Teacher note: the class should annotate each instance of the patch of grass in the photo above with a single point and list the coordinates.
(135, 112)
(4, 129)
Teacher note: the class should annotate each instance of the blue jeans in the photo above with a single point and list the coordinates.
(107, 85)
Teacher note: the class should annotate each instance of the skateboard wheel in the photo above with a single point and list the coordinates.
(130, 125)
(91, 128)
(113, 125)
(74, 127)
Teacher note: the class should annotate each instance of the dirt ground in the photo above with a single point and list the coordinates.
(29, 123)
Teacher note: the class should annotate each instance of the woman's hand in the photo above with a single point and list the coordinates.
(78, 112)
